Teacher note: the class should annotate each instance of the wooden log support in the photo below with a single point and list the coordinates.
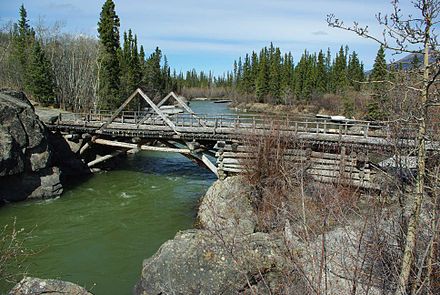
(142, 147)
(85, 147)
(104, 158)
(210, 165)
(120, 109)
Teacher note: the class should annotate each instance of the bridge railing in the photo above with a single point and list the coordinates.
(287, 123)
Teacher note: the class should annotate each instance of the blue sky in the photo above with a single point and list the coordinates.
(210, 34)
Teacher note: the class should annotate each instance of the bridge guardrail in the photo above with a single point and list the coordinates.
(248, 122)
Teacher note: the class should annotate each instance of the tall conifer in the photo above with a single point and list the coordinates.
(109, 69)
(377, 105)
(40, 76)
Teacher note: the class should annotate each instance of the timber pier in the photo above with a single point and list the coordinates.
(332, 151)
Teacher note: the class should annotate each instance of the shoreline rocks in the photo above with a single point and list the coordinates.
(26, 168)
(36, 286)
(31, 160)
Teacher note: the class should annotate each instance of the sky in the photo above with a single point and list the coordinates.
(211, 34)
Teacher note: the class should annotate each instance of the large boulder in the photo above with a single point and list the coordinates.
(225, 256)
(203, 262)
(26, 168)
(35, 286)
(226, 207)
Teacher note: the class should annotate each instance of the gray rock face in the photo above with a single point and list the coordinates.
(26, 168)
(226, 207)
(36, 286)
(225, 257)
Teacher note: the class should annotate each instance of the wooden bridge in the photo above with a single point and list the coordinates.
(333, 151)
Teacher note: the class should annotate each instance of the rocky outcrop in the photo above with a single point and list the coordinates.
(26, 166)
(36, 286)
(227, 208)
(226, 256)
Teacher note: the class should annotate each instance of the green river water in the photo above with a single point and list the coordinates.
(100, 230)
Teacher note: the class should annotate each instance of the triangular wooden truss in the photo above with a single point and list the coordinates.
(155, 107)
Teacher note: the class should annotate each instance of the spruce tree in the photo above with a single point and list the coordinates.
(321, 74)
(377, 104)
(329, 70)
(130, 65)
(275, 76)
(340, 79)
(254, 72)
(109, 68)
(152, 79)
(40, 76)
(355, 71)
(246, 83)
(287, 76)
(261, 82)
(23, 38)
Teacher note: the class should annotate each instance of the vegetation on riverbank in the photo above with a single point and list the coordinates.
(79, 73)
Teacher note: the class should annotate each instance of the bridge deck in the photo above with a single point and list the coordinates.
(236, 127)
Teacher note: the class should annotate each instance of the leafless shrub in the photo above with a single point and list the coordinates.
(13, 254)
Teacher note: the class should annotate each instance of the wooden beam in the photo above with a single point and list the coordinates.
(84, 148)
(204, 161)
(164, 100)
(145, 118)
(187, 108)
(181, 102)
(142, 147)
(104, 158)
(209, 164)
(158, 111)
(121, 108)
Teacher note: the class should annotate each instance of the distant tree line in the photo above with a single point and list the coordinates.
(271, 76)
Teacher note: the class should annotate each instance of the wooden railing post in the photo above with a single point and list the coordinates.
(366, 130)
(388, 131)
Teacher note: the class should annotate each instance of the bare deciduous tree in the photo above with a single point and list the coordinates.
(412, 34)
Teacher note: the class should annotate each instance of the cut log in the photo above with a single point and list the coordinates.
(104, 158)
(209, 164)
(142, 147)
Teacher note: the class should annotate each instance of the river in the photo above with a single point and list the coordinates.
(100, 230)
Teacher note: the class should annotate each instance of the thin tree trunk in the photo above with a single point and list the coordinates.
(411, 236)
